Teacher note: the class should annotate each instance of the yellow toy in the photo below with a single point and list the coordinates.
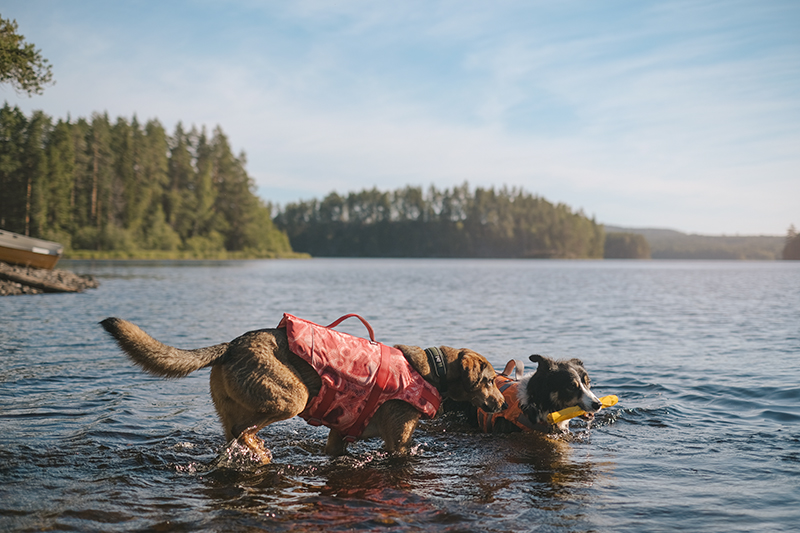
(572, 412)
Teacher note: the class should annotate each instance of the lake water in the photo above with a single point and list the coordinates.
(704, 356)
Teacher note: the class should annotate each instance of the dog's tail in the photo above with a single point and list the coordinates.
(157, 358)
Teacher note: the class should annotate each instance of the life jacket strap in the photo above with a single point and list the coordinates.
(437, 363)
(315, 418)
(381, 378)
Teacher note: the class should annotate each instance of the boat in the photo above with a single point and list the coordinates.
(22, 250)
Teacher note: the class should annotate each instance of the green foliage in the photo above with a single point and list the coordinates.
(792, 248)
(451, 223)
(13, 178)
(58, 182)
(21, 64)
(107, 237)
(158, 234)
(626, 246)
(130, 189)
(207, 245)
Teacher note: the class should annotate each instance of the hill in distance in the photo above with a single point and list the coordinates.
(671, 244)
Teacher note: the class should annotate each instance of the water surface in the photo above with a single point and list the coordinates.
(705, 357)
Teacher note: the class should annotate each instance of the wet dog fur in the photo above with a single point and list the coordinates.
(257, 380)
(556, 385)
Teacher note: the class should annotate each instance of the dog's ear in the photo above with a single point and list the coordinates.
(577, 362)
(545, 363)
(471, 368)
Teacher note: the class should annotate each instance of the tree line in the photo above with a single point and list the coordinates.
(456, 222)
(621, 245)
(791, 249)
(127, 189)
(130, 187)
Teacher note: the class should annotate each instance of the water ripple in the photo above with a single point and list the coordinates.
(705, 436)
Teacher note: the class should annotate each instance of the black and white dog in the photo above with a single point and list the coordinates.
(555, 385)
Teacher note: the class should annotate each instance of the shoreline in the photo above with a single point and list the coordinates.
(16, 280)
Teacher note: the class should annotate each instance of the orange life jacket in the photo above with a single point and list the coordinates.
(358, 376)
(513, 413)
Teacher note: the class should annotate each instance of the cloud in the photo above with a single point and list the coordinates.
(680, 114)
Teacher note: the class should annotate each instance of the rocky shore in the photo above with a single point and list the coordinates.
(15, 279)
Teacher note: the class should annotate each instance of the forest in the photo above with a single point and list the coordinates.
(124, 189)
(456, 222)
(623, 245)
(127, 189)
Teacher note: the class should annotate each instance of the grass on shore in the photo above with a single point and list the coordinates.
(163, 255)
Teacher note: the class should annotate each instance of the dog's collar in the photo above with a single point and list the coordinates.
(436, 361)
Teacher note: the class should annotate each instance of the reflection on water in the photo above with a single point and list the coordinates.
(372, 489)
(705, 358)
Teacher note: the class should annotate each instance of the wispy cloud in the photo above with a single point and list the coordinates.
(681, 114)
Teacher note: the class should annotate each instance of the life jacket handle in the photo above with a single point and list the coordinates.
(345, 317)
(517, 366)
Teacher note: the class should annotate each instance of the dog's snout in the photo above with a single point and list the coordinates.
(492, 405)
(596, 405)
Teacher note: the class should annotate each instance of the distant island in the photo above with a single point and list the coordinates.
(454, 222)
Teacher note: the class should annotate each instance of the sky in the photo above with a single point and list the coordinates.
(677, 114)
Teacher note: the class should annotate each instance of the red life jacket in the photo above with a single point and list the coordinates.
(357, 375)
(513, 413)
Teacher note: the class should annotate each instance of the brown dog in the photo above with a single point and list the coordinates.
(257, 380)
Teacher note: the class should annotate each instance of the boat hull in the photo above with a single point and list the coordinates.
(21, 250)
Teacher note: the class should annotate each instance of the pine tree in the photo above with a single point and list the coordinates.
(153, 178)
(35, 173)
(204, 218)
(181, 178)
(60, 181)
(792, 249)
(13, 125)
(81, 189)
(234, 201)
(102, 163)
